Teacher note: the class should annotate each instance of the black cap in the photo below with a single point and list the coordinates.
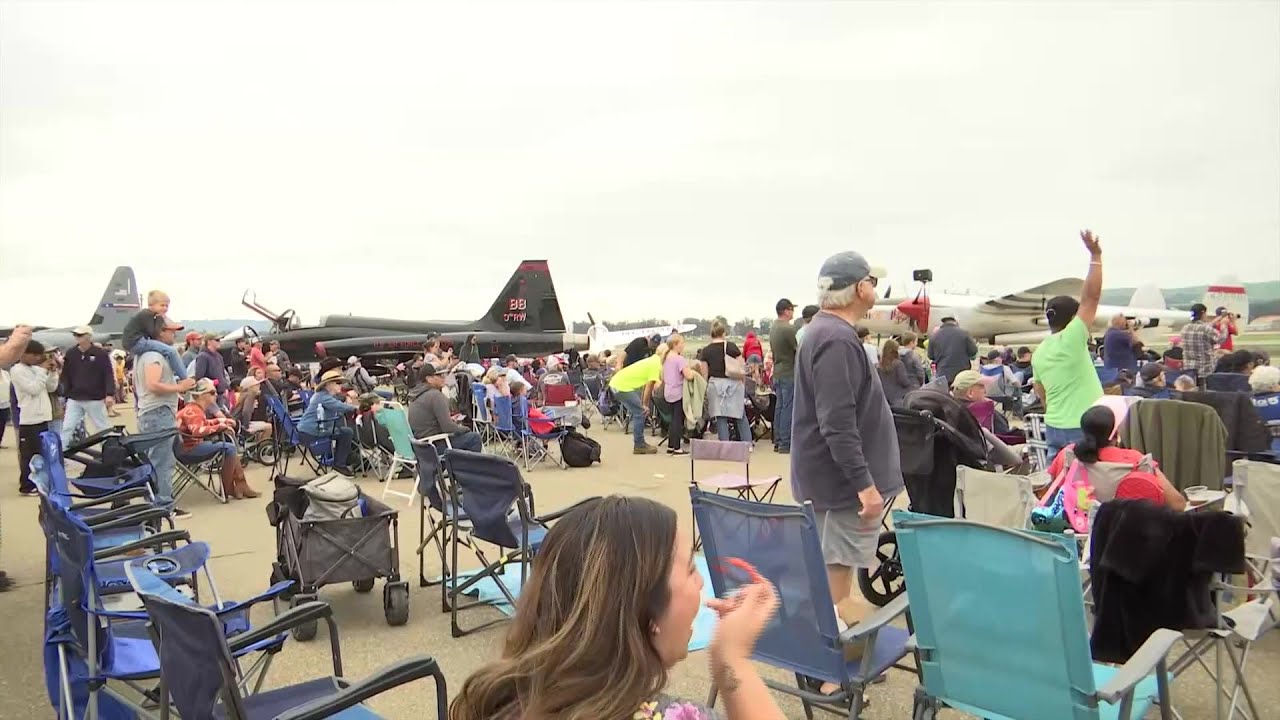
(1060, 310)
(427, 370)
(1151, 371)
(34, 347)
(993, 354)
(1198, 310)
(949, 318)
(1221, 309)
(809, 311)
(783, 306)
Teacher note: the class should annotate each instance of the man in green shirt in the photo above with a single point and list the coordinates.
(783, 344)
(1065, 377)
(633, 386)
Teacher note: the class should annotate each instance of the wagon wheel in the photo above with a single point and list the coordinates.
(363, 586)
(885, 582)
(395, 603)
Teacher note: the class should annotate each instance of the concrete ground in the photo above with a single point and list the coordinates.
(243, 546)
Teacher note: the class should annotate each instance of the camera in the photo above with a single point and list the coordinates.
(922, 276)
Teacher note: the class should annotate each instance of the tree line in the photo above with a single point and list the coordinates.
(738, 328)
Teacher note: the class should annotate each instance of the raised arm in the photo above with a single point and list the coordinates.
(1091, 293)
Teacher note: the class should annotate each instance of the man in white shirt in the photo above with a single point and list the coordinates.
(33, 379)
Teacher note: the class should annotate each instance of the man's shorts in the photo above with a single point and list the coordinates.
(848, 540)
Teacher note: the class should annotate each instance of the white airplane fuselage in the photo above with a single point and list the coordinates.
(973, 315)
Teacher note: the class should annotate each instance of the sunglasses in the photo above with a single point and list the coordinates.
(875, 281)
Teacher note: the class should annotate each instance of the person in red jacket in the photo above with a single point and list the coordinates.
(751, 347)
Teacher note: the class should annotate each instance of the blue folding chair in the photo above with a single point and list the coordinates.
(434, 498)
(506, 436)
(199, 674)
(1000, 628)
(480, 412)
(533, 446)
(98, 648)
(316, 453)
(499, 509)
(781, 542)
(113, 461)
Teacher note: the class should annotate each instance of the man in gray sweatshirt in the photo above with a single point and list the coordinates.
(844, 449)
(429, 414)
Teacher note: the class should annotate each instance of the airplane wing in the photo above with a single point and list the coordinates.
(1032, 300)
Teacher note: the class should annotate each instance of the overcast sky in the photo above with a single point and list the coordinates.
(669, 159)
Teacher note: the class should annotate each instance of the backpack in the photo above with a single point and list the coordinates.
(331, 497)
(578, 450)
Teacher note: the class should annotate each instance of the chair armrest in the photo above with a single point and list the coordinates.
(130, 519)
(381, 681)
(270, 593)
(877, 620)
(168, 537)
(92, 440)
(556, 515)
(291, 618)
(141, 439)
(110, 499)
(1143, 662)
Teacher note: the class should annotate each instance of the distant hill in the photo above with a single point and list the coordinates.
(1264, 297)
(226, 325)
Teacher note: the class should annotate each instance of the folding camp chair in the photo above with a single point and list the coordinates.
(506, 436)
(199, 674)
(760, 489)
(316, 453)
(114, 461)
(992, 498)
(982, 653)
(202, 471)
(441, 441)
(1036, 442)
(499, 509)
(434, 497)
(534, 447)
(98, 649)
(781, 542)
(1256, 495)
(480, 413)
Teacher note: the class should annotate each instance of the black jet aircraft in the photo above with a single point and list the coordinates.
(524, 320)
(119, 302)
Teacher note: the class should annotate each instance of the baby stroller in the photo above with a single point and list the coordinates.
(324, 541)
(935, 434)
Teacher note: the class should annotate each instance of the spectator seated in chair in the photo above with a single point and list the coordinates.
(538, 421)
(429, 413)
(606, 615)
(1098, 445)
(325, 418)
(1265, 383)
(1153, 385)
(250, 411)
(195, 427)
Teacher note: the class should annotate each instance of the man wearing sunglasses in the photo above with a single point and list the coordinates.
(844, 449)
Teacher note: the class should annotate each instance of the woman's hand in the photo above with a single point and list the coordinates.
(742, 619)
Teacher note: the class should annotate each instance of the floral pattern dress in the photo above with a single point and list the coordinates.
(667, 708)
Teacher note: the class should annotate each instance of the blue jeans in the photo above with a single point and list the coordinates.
(207, 449)
(160, 454)
(1057, 438)
(785, 390)
(469, 440)
(75, 414)
(632, 402)
(744, 429)
(170, 354)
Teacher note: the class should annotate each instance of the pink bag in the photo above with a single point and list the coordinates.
(1077, 496)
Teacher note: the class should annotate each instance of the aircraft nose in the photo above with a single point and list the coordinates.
(917, 309)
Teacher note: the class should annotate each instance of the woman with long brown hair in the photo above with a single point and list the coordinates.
(894, 377)
(608, 610)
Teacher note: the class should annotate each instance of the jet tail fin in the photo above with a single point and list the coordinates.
(1148, 296)
(1232, 296)
(527, 303)
(120, 301)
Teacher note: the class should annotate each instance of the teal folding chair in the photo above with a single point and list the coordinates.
(1000, 628)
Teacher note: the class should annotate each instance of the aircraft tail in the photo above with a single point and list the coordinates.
(1232, 296)
(528, 302)
(1148, 296)
(120, 301)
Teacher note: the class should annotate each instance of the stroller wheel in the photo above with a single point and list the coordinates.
(362, 586)
(395, 603)
(885, 582)
(266, 453)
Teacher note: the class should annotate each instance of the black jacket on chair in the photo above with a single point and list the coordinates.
(1151, 568)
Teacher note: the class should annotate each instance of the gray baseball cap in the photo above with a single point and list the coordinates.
(844, 269)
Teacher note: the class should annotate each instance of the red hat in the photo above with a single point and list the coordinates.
(192, 337)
